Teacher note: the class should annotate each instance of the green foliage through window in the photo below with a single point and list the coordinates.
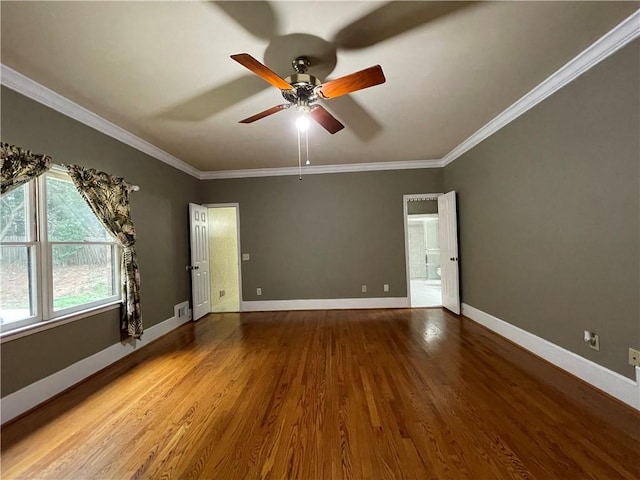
(69, 218)
(83, 255)
(13, 215)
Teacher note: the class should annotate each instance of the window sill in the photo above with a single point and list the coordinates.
(56, 322)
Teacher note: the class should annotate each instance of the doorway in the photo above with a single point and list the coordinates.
(422, 249)
(224, 264)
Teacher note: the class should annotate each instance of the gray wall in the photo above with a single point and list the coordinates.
(549, 215)
(324, 236)
(160, 215)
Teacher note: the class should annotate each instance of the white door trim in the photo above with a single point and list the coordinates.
(405, 217)
(616, 385)
(235, 205)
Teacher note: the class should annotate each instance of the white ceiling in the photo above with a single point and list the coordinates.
(161, 70)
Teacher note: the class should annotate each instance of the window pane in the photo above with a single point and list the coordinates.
(13, 216)
(81, 274)
(16, 289)
(69, 218)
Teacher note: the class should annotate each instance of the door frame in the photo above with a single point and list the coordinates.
(235, 205)
(405, 217)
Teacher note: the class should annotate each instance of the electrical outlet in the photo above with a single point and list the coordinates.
(385, 287)
(258, 291)
(634, 357)
(222, 293)
(592, 339)
(245, 257)
(364, 289)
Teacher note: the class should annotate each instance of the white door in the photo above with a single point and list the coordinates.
(448, 220)
(200, 287)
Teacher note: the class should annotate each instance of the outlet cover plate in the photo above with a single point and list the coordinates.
(634, 357)
(596, 342)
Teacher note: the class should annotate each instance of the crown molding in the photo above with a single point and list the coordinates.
(625, 32)
(320, 169)
(41, 94)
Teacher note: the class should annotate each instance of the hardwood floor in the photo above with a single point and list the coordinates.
(374, 394)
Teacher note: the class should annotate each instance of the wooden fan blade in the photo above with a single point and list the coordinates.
(266, 113)
(351, 83)
(261, 70)
(324, 118)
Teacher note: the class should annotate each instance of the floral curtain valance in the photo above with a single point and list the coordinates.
(108, 197)
(19, 166)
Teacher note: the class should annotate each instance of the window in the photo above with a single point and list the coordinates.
(56, 258)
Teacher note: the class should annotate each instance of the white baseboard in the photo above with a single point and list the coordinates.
(616, 385)
(32, 395)
(326, 304)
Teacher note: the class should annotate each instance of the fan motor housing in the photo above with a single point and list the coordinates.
(303, 88)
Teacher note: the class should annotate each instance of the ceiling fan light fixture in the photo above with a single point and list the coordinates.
(302, 90)
(302, 123)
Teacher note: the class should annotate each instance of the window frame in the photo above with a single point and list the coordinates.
(41, 254)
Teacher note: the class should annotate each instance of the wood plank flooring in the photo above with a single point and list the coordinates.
(376, 394)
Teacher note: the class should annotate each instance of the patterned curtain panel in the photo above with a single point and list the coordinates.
(18, 166)
(108, 197)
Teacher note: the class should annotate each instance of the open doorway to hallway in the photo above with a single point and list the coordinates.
(423, 250)
(224, 265)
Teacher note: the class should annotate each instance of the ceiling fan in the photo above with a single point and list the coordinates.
(303, 90)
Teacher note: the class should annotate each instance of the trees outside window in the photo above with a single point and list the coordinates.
(56, 258)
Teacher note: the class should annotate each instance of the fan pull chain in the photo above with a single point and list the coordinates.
(306, 137)
(299, 156)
